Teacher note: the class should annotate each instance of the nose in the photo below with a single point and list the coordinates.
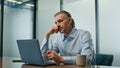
(57, 24)
(58, 27)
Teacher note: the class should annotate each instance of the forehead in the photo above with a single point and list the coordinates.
(60, 16)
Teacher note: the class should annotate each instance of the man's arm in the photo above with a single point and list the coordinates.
(45, 42)
(44, 46)
(87, 47)
(69, 59)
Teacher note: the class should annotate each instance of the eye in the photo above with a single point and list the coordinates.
(60, 21)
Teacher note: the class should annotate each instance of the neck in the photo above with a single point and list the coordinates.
(68, 31)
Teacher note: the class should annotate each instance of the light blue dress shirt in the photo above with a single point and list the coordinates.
(77, 42)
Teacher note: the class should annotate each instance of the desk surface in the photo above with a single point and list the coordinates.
(7, 63)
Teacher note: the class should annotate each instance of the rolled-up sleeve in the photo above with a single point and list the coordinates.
(69, 59)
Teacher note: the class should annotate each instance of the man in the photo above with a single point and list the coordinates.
(69, 41)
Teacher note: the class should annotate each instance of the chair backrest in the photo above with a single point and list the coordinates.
(103, 59)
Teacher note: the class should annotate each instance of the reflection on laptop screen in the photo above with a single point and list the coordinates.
(30, 53)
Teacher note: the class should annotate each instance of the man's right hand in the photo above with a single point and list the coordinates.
(52, 55)
(53, 30)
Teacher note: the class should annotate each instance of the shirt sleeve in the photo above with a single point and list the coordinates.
(87, 47)
(69, 59)
(44, 46)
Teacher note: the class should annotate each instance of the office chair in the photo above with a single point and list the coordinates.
(103, 59)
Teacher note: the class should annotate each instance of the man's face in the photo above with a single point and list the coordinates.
(62, 21)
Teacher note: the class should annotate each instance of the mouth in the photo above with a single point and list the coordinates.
(60, 28)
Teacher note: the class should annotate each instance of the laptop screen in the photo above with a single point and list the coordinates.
(30, 51)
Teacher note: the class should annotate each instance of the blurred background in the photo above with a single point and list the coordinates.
(31, 19)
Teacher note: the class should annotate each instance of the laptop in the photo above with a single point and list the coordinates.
(30, 53)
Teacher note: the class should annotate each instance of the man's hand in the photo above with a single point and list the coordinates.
(54, 29)
(52, 55)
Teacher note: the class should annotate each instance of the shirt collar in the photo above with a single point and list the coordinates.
(71, 35)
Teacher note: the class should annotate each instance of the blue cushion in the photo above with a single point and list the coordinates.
(103, 59)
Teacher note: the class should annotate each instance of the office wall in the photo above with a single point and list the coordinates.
(109, 25)
(17, 25)
(83, 12)
(45, 16)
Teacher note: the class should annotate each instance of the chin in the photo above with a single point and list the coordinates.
(61, 31)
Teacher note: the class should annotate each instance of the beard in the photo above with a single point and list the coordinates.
(62, 31)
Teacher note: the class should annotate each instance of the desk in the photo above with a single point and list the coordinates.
(7, 63)
(68, 66)
(54, 66)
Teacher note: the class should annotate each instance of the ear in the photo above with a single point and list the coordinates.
(70, 20)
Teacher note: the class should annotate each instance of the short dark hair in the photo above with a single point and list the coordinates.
(67, 14)
(63, 12)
